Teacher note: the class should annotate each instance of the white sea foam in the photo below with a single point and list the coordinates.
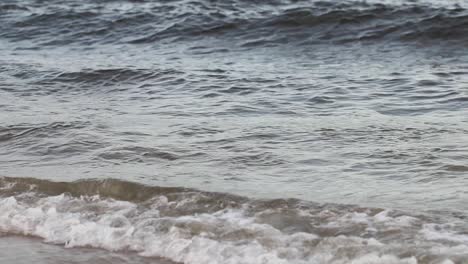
(225, 236)
(443, 232)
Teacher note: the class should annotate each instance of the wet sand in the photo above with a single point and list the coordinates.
(27, 250)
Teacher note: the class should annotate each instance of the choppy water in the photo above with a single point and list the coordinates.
(338, 128)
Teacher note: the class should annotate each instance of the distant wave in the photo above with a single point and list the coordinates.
(246, 23)
(190, 226)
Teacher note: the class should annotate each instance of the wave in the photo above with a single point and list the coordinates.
(99, 78)
(34, 139)
(246, 23)
(191, 226)
(87, 80)
(11, 7)
(8, 133)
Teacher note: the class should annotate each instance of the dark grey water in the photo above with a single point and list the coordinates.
(328, 102)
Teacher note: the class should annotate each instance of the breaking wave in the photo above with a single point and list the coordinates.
(190, 226)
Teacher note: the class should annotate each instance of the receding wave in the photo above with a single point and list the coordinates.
(249, 24)
(190, 226)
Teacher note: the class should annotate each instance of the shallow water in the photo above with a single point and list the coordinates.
(14, 251)
(329, 102)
